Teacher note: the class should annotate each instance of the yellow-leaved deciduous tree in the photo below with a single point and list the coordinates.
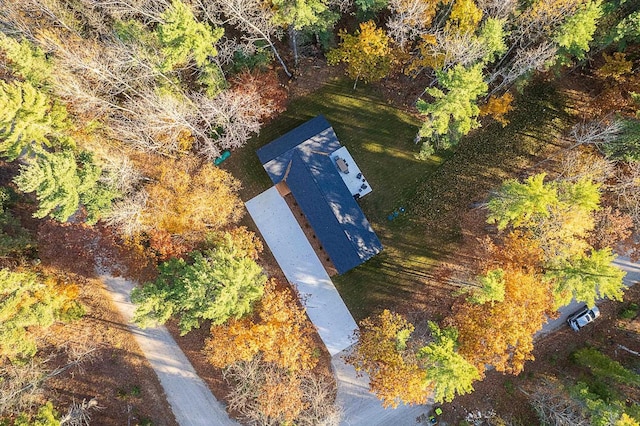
(497, 107)
(520, 249)
(501, 334)
(429, 55)
(189, 198)
(244, 242)
(615, 66)
(282, 335)
(464, 17)
(367, 53)
(381, 352)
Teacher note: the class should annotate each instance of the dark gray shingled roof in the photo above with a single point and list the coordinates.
(301, 158)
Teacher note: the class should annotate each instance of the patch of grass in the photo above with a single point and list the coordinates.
(629, 312)
(436, 196)
(380, 139)
(488, 156)
(125, 394)
(509, 387)
(135, 391)
(435, 193)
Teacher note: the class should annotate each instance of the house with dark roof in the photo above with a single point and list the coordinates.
(310, 164)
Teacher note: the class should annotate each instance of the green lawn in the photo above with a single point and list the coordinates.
(434, 193)
(380, 139)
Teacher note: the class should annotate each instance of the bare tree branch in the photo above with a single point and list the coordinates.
(251, 17)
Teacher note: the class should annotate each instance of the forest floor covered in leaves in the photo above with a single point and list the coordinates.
(507, 395)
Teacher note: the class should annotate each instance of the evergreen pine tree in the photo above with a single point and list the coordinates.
(28, 118)
(26, 60)
(183, 38)
(61, 186)
(447, 370)
(25, 301)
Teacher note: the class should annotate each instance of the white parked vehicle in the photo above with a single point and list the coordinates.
(584, 316)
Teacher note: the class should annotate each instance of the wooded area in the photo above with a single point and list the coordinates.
(112, 116)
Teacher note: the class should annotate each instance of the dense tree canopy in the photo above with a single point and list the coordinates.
(216, 285)
(29, 303)
(367, 53)
(491, 288)
(183, 38)
(575, 34)
(559, 215)
(282, 335)
(63, 182)
(453, 113)
(27, 60)
(501, 334)
(191, 198)
(117, 110)
(518, 203)
(28, 119)
(449, 372)
(381, 352)
(586, 278)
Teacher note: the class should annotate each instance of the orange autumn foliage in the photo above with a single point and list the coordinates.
(166, 246)
(501, 334)
(189, 198)
(282, 334)
(395, 375)
(519, 250)
(245, 243)
(498, 107)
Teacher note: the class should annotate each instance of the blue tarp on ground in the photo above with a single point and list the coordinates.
(301, 158)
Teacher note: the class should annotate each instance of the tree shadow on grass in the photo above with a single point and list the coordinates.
(430, 230)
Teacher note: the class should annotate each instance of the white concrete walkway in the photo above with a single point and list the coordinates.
(191, 401)
(303, 269)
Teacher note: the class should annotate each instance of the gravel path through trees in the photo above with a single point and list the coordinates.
(190, 399)
(633, 276)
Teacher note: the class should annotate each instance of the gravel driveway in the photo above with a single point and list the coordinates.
(190, 399)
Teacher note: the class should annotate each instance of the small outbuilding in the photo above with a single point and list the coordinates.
(310, 164)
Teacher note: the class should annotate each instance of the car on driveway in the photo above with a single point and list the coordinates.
(582, 317)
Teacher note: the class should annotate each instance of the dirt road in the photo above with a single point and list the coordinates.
(191, 401)
(632, 277)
